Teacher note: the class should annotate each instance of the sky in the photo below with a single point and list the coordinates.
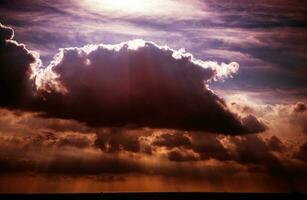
(165, 95)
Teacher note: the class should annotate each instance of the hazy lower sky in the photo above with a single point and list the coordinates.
(165, 95)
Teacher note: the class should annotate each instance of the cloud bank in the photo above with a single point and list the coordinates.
(135, 84)
(54, 147)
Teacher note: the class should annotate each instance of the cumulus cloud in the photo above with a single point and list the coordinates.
(135, 83)
(108, 85)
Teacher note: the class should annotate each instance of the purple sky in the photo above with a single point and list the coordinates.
(266, 38)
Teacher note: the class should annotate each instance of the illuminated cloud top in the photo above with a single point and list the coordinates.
(108, 85)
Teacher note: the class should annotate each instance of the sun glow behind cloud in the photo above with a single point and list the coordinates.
(130, 5)
(162, 8)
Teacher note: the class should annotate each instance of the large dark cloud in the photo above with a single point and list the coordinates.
(136, 84)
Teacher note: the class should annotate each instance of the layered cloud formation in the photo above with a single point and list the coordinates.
(65, 148)
(135, 83)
